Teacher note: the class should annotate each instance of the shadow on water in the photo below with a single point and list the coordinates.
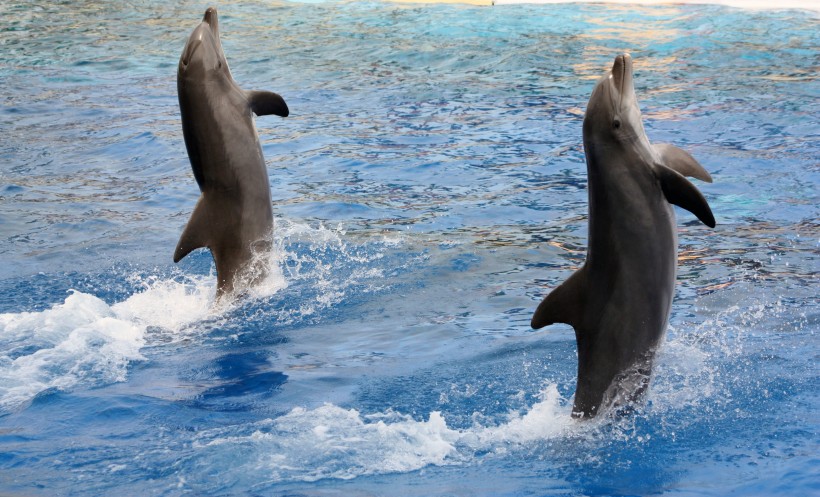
(238, 381)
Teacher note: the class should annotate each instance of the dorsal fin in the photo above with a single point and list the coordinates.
(679, 191)
(565, 304)
(195, 234)
(681, 161)
(264, 103)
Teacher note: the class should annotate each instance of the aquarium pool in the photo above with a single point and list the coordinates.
(429, 188)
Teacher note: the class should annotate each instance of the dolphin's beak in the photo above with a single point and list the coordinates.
(196, 37)
(211, 18)
(622, 75)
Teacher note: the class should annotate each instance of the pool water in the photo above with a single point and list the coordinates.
(429, 189)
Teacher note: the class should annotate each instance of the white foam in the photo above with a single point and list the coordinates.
(549, 418)
(167, 304)
(86, 341)
(334, 442)
(69, 343)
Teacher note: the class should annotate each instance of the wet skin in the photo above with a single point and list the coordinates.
(620, 300)
(234, 216)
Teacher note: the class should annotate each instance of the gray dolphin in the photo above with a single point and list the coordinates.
(233, 217)
(619, 301)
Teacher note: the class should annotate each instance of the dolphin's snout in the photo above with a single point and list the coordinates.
(203, 48)
(210, 17)
(621, 70)
(621, 75)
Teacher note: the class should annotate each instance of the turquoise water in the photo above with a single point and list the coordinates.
(429, 189)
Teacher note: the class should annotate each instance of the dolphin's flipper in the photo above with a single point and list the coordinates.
(679, 191)
(681, 161)
(265, 103)
(565, 304)
(195, 234)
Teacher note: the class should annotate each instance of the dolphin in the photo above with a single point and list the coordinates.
(234, 216)
(619, 301)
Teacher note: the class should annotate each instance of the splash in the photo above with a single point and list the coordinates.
(325, 267)
(334, 442)
(58, 348)
(703, 368)
(547, 419)
(86, 341)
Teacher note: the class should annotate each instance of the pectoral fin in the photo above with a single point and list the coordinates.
(195, 234)
(679, 160)
(264, 103)
(679, 191)
(565, 304)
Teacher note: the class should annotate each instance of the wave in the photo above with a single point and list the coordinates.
(86, 341)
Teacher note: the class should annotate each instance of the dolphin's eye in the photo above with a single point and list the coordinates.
(616, 123)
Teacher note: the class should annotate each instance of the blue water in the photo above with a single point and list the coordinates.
(429, 189)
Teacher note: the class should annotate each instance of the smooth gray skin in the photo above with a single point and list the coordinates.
(619, 301)
(233, 216)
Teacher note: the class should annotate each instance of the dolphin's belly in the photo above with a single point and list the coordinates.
(227, 160)
(221, 140)
(231, 156)
(635, 282)
(631, 275)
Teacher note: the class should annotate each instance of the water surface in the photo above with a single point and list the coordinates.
(429, 189)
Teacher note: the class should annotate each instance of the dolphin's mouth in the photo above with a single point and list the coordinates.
(188, 54)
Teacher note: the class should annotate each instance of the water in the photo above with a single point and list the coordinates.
(429, 189)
